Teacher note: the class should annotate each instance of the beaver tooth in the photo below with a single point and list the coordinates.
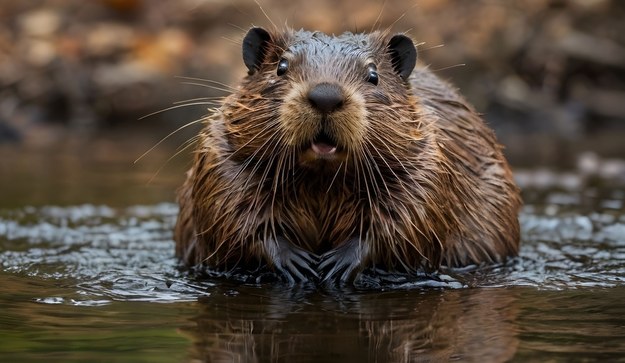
(324, 144)
(323, 149)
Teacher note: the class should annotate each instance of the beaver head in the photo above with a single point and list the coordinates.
(319, 101)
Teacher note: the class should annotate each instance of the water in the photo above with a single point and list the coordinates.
(99, 282)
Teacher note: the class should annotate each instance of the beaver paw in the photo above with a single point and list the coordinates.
(342, 263)
(293, 263)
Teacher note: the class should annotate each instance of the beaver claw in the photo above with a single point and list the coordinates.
(293, 263)
(342, 263)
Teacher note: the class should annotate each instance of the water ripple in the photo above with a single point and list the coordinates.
(128, 254)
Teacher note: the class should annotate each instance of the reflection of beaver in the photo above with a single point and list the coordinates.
(269, 325)
(334, 155)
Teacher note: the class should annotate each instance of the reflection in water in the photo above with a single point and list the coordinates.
(572, 325)
(440, 326)
(66, 270)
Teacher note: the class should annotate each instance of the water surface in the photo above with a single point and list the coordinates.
(88, 274)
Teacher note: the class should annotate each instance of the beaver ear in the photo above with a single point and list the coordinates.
(254, 48)
(403, 55)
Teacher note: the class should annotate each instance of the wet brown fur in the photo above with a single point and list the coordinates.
(421, 180)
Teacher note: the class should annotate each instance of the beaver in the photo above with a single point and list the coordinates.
(340, 153)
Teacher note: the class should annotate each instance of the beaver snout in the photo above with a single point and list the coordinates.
(326, 97)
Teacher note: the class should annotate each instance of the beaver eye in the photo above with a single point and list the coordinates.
(372, 77)
(283, 66)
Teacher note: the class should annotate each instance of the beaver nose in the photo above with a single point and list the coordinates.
(326, 97)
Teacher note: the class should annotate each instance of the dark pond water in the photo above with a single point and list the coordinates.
(87, 273)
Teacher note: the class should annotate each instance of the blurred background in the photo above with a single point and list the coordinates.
(77, 77)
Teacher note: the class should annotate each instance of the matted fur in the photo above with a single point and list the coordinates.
(419, 181)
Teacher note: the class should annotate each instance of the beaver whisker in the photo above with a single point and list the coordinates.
(182, 147)
(179, 104)
(280, 177)
(168, 136)
(229, 87)
(218, 100)
(357, 166)
(369, 177)
(244, 167)
(334, 177)
(207, 86)
(375, 169)
(397, 178)
(278, 168)
(290, 168)
(274, 189)
(379, 172)
(400, 180)
(449, 67)
(260, 133)
(265, 175)
(256, 167)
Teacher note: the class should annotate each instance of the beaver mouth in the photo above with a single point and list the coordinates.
(324, 144)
